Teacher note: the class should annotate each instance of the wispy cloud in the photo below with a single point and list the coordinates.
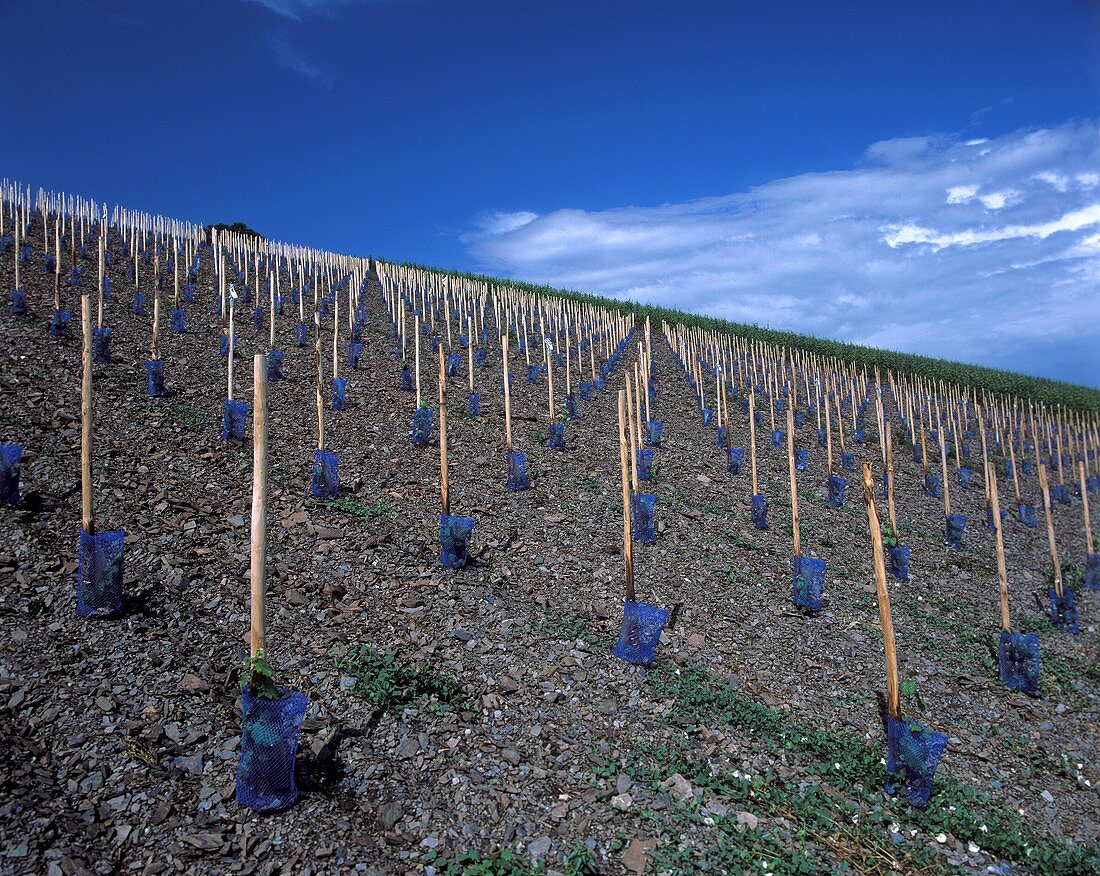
(977, 249)
(303, 9)
(291, 59)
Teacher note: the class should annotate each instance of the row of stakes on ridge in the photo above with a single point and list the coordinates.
(420, 303)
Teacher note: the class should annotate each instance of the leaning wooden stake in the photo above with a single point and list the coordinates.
(320, 392)
(444, 489)
(507, 396)
(628, 554)
(752, 440)
(1002, 574)
(893, 696)
(258, 635)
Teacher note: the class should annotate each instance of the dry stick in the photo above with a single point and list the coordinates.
(828, 434)
(628, 553)
(1015, 474)
(890, 485)
(444, 490)
(1002, 575)
(794, 483)
(1085, 506)
(258, 634)
(893, 697)
(87, 514)
(336, 334)
(1043, 485)
(507, 396)
(229, 365)
(752, 439)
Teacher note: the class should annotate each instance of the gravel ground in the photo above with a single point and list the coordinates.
(119, 739)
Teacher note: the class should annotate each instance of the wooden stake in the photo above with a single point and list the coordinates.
(628, 554)
(752, 439)
(1043, 485)
(633, 441)
(507, 396)
(1002, 575)
(794, 483)
(258, 635)
(320, 381)
(943, 469)
(1085, 506)
(893, 695)
(416, 332)
(445, 493)
(87, 512)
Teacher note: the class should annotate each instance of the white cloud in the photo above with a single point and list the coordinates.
(1088, 180)
(872, 254)
(961, 194)
(1058, 180)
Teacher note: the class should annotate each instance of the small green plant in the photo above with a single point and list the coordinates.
(538, 436)
(356, 508)
(889, 539)
(259, 674)
(387, 684)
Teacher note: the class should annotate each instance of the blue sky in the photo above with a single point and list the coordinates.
(920, 176)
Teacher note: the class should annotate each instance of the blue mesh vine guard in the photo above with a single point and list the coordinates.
(643, 513)
(735, 459)
(270, 731)
(258, 318)
(555, 439)
(1008, 471)
(453, 362)
(720, 437)
(532, 373)
(355, 353)
(932, 486)
(421, 431)
(640, 633)
(407, 384)
(1027, 515)
(454, 540)
(808, 580)
(822, 437)
(18, 302)
(11, 456)
(101, 345)
(858, 436)
(707, 415)
(759, 511)
(799, 419)
(899, 562)
(473, 404)
(584, 389)
(339, 393)
(848, 460)
(60, 322)
(1092, 572)
(801, 459)
(954, 528)
(1019, 662)
(138, 304)
(1061, 493)
(837, 487)
(918, 454)
(964, 475)
(301, 334)
(179, 320)
(223, 345)
(571, 410)
(1063, 611)
(189, 293)
(154, 377)
(481, 357)
(645, 464)
(654, 430)
(781, 406)
(913, 752)
(275, 364)
(234, 418)
(517, 471)
(777, 439)
(99, 574)
(326, 475)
